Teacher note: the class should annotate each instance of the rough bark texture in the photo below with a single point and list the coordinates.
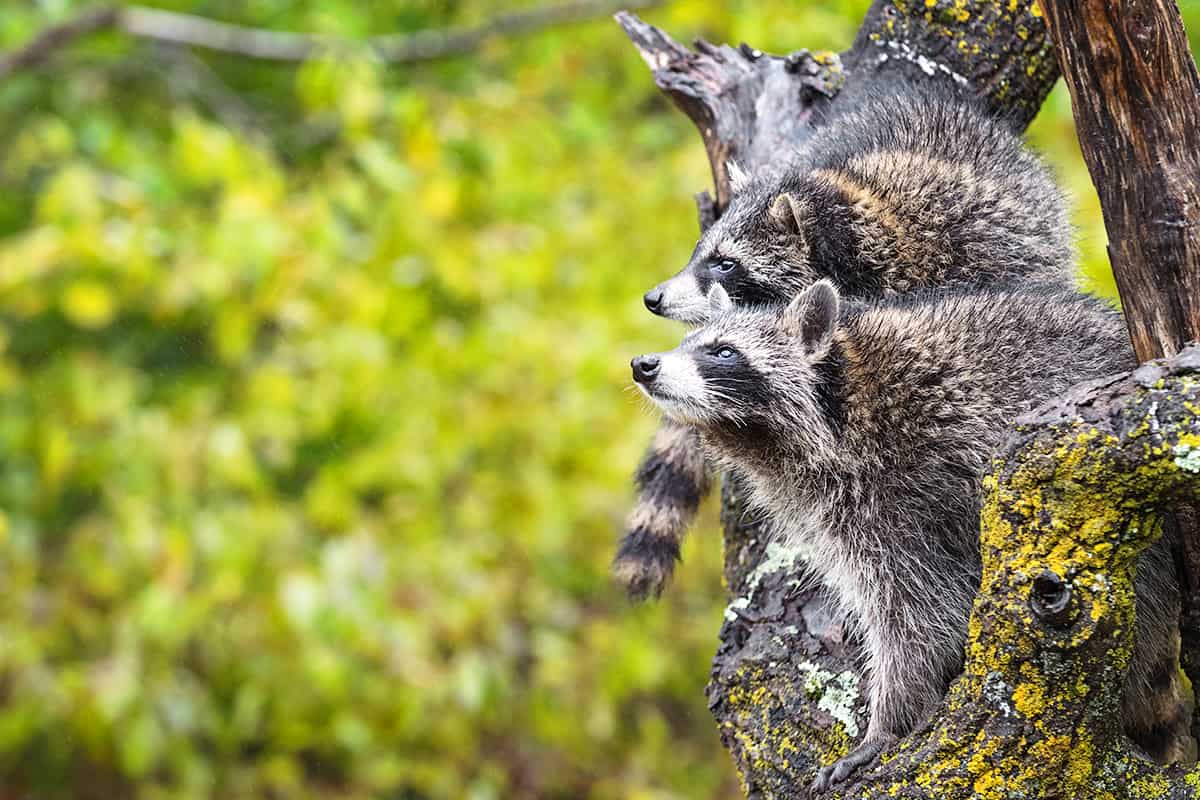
(749, 106)
(785, 683)
(1136, 97)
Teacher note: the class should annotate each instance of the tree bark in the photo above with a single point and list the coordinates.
(1136, 96)
(785, 684)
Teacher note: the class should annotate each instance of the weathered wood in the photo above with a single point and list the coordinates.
(749, 105)
(719, 88)
(784, 688)
(1136, 97)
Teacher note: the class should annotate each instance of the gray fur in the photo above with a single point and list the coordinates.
(865, 433)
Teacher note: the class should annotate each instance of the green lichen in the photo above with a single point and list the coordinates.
(769, 742)
(735, 605)
(1187, 457)
(777, 557)
(837, 694)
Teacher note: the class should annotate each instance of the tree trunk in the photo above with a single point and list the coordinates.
(784, 688)
(1136, 97)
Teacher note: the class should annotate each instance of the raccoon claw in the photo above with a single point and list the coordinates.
(844, 767)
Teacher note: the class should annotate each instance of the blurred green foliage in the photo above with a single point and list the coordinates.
(315, 443)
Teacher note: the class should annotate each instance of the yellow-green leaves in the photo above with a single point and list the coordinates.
(314, 433)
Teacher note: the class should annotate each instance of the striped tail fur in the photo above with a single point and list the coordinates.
(671, 481)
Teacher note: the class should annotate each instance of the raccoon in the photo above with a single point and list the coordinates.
(893, 194)
(863, 430)
(896, 193)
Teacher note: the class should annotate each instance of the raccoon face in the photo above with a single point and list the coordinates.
(758, 252)
(746, 367)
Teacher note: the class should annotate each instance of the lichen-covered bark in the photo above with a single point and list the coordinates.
(784, 688)
(785, 681)
(998, 50)
(1136, 95)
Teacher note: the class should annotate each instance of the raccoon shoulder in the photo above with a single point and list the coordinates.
(915, 366)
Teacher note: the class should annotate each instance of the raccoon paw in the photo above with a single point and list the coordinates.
(644, 563)
(844, 767)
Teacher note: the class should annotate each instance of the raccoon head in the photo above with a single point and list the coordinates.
(758, 252)
(757, 369)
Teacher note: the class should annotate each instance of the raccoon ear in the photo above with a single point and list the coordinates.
(718, 299)
(812, 317)
(787, 213)
(738, 179)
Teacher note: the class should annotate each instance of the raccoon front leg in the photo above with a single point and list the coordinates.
(866, 752)
(672, 480)
(909, 668)
(886, 698)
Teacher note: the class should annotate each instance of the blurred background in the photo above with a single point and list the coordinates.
(313, 419)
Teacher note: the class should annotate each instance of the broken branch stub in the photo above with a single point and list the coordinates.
(720, 89)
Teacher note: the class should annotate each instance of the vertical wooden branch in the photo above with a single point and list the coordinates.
(1136, 96)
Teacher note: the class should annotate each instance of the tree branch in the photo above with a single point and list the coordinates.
(52, 39)
(1136, 96)
(195, 31)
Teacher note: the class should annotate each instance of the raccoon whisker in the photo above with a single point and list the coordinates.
(732, 399)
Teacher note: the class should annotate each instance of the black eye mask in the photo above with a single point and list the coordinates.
(728, 371)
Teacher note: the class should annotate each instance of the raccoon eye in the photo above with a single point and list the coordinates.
(724, 266)
(725, 352)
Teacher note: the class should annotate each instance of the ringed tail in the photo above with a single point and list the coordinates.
(671, 481)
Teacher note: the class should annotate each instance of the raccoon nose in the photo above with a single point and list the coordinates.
(645, 368)
(654, 299)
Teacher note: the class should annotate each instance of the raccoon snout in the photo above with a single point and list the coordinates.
(645, 368)
(654, 299)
